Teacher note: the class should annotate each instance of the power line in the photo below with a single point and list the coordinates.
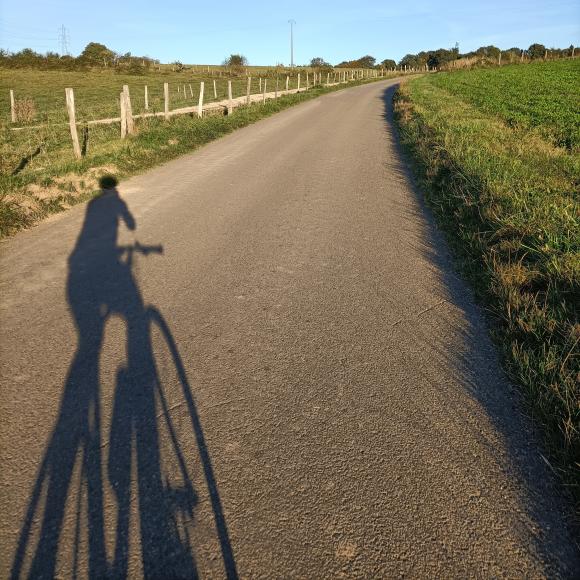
(64, 41)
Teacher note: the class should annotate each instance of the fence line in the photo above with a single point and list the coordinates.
(225, 106)
(166, 98)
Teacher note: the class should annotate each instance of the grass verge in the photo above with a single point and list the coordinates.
(507, 200)
(51, 180)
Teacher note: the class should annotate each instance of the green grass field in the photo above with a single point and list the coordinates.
(496, 151)
(540, 95)
(97, 92)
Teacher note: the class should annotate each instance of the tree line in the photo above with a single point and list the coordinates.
(94, 55)
(436, 59)
(442, 57)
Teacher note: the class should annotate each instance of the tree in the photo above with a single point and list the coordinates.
(411, 61)
(490, 51)
(236, 60)
(536, 51)
(438, 58)
(388, 63)
(319, 62)
(367, 61)
(96, 54)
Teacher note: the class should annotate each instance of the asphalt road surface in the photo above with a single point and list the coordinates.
(283, 378)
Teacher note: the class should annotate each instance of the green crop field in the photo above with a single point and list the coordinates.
(496, 151)
(542, 95)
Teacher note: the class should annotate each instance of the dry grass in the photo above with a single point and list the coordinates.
(25, 110)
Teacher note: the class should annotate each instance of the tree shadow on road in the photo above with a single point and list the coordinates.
(128, 457)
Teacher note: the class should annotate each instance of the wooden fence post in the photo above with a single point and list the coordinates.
(13, 106)
(191, 91)
(248, 89)
(123, 115)
(185, 92)
(70, 105)
(299, 82)
(264, 92)
(287, 82)
(214, 90)
(129, 111)
(200, 103)
(327, 79)
(166, 100)
(276, 91)
(146, 98)
(260, 89)
(230, 99)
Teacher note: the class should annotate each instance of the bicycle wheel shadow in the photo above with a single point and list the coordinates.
(128, 461)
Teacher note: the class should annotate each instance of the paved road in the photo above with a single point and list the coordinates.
(292, 382)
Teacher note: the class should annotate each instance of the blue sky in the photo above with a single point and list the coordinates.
(206, 32)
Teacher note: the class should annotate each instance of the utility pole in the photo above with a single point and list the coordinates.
(292, 23)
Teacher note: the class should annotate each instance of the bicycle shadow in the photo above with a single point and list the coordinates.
(101, 284)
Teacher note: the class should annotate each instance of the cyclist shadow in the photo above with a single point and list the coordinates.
(101, 284)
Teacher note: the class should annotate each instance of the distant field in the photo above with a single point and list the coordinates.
(496, 151)
(544, 95)
(97, 93)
